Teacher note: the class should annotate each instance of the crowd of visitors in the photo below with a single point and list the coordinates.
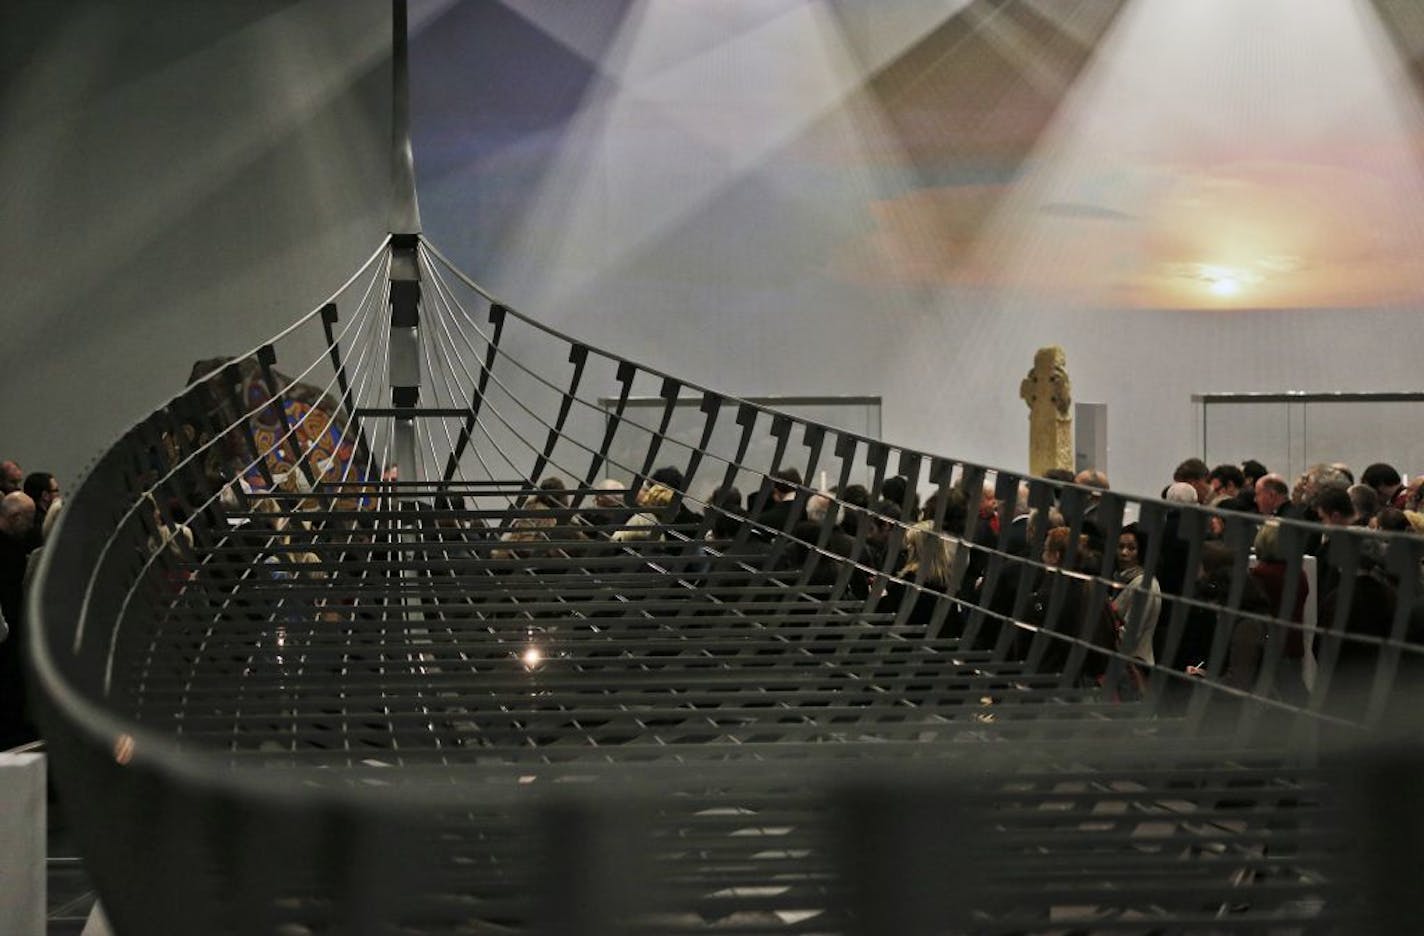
(29, 506)
(934, 563)
(960, 563)
(1235, 600)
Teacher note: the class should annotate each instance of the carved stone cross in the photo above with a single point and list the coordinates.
(1049, 396)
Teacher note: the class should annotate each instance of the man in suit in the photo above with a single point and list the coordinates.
(1092, 528)
(1387, 484)
(1273, 496)
(1016, 540)
(785, 482)
(1228, 489)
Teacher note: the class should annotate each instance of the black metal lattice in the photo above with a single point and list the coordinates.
(382, 678)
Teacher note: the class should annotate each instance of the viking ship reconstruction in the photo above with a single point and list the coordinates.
(400, 623)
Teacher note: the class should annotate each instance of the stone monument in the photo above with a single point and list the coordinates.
(1049, 396)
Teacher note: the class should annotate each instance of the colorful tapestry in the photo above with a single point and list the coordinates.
(314, 424)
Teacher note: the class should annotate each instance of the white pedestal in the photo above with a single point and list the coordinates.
(22, 844)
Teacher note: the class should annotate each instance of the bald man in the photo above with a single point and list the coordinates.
(17, 514)
(17, 521)
(1092, 477)
(1272, 495)
(11, 477)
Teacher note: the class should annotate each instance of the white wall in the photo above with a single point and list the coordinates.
(710, 189)
(177, 181)
(703, 187)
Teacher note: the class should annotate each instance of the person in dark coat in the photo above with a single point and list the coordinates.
(1269, 572)
(43, 489)
(1073, 618)
(17, 517)
(924, 580)
(775, 517)
(1368, 613)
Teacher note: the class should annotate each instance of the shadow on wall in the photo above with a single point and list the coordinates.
(195, 176)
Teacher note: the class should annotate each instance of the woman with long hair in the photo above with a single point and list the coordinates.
(1136, 589)
(925, 576)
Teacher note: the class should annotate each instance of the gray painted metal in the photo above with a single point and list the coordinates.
(482, 704)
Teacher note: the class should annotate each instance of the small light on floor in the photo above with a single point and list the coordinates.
(532, 657)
